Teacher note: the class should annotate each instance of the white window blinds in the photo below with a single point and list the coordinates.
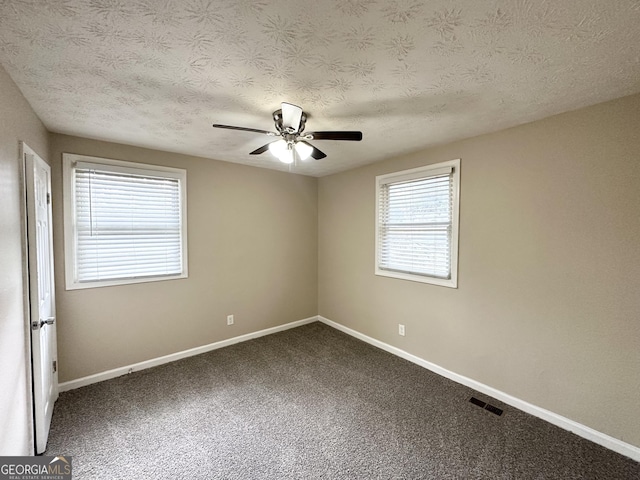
(128, 223)
(416, 222)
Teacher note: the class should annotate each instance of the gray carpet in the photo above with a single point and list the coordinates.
(309, 403)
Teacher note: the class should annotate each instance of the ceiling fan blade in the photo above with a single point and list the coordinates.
(291, 116)
(260, 150)
(354, 136)
(315, 153)
(244, 129)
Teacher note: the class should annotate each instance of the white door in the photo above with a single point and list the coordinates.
(41, 293)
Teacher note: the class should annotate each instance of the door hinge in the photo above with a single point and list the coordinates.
(48, 198)
(55, 366)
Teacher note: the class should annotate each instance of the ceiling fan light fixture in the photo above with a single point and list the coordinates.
(304, 150)
(288, 156)
(283, 151)
(278, 148)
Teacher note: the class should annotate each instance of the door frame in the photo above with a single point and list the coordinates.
(26, 298)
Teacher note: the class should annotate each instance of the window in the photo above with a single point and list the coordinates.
(417, 224)
(124, 222)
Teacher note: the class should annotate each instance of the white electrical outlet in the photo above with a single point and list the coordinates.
(401, 329)
(229, 319)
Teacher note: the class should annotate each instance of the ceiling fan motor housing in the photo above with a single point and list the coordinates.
(277, 118)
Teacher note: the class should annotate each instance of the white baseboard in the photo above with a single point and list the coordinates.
(595, 436)
(117, 372)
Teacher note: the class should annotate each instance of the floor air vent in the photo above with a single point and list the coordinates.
(486, 406)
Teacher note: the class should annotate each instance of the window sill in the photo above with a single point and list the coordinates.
(72, 285)
(442, 282)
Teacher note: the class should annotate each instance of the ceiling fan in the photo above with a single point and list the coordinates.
(290, 121)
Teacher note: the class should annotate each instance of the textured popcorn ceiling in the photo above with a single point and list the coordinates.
(408, 74)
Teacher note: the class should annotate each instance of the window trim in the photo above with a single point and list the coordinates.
(416, 173)
(69, 160)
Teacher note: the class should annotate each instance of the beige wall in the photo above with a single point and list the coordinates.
(548, 304)
(17, 122)
(252, 253)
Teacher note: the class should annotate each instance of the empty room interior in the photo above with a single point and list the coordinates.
(331, 239)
